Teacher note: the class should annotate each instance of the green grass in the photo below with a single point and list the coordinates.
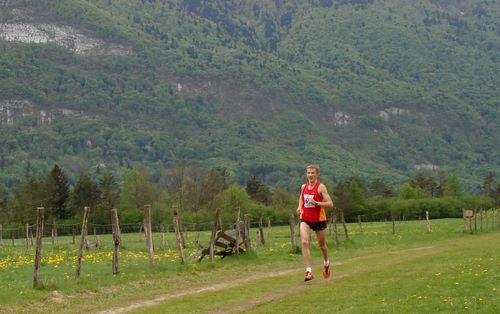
(447, 270)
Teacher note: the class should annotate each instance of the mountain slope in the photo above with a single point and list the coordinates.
(365, 88)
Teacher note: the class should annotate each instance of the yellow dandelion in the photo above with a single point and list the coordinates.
(437, 274)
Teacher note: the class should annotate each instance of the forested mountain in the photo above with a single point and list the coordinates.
(366, 88)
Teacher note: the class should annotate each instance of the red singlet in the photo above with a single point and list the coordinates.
(311, 212)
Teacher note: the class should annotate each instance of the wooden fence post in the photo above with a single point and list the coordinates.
(55, 240)
(248, 245)
(116, 240)
(97, 239)
(1, 235)
(470, 222)
(178, 235)
(481, 219)
(465, 220)
(238, 232)
(38, 247)
(82, 240)
(344, 224)
(269, 227)
(215, 227)
(360, 225)
(162, 238)
(475, 221)
(429, 230)
(149, 234)
(261, 232)
(393, 225)
(31, 238)
(330, 220)
(73, 231)
(291, 222)
(335, 230)
(52, 234)
(27, 236)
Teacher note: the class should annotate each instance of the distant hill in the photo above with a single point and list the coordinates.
(365, 88)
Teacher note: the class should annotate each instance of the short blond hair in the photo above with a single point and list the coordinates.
(313, 166)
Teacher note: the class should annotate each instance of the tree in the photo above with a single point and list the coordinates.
(58, 194)
(26, 197)
(109, 190)
(86, 193)
(488, 188)
(258, 191)
(426, 183)
(137, 190)
(453, 187)
(379, 188)
(349, 196)
(407, 192)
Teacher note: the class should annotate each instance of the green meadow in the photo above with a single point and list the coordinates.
(374, 271)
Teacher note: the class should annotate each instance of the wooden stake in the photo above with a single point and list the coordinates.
(52, 233)
(344, 224)
(215, 228)
(27, 236)
(360, 225)
(291, 222)
(330, 220)
(335, 229)
(470, 222)
(162, 243)
(393, 226)
(481, 219)
(465, 220)
(82, 240)
(149, 234)
(1, 235)
(38, 248)
(269, 227)
(429, 230)
(178, 235)
(116, 240)
(261, 232)
(475, 221)
(248, 245)
(238, 232)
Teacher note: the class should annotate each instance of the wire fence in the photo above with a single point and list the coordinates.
(482, 219)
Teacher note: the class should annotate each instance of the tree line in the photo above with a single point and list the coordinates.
(196, 191)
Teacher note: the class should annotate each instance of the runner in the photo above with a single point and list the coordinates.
(313, 201)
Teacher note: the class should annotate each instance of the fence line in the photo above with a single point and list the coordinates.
(486, 220)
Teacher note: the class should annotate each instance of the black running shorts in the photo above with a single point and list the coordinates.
(317, 225)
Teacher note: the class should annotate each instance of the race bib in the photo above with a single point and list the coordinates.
(309, 201)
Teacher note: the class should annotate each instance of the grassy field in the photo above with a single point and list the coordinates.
(413, 271)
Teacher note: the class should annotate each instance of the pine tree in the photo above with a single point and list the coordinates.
(109, 190)
(85, 193)
(58, 193)
(258, 191)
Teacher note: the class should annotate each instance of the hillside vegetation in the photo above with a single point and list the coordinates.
(366, 88)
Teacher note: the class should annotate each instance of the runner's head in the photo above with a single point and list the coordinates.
(312, 172)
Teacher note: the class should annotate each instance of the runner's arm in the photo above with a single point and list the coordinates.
(327, 200)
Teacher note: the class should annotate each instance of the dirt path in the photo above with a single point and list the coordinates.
(164, 298)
